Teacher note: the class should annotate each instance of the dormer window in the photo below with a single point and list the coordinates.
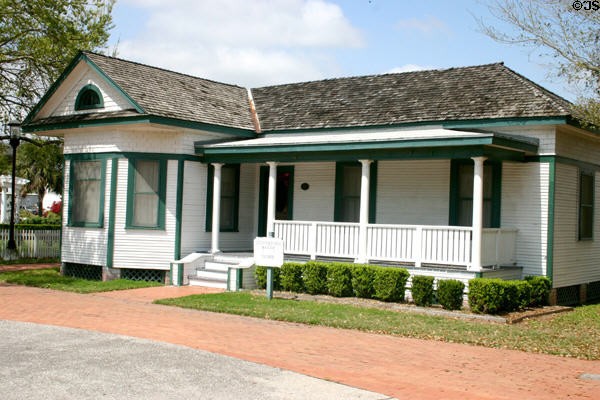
(89, 97)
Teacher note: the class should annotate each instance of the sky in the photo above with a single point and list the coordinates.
(255, 43)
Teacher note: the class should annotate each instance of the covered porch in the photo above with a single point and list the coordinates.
(473, 247)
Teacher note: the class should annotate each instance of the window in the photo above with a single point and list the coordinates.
(230, 194)
(89, 97)
(86, 189)
(586, 206)
(461, 208)
(347, 192)
(146, 194)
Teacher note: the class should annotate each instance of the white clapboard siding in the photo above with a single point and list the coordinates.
(62, 102)
(525, 207)
(413, 192)
(145, 248)
(575, 261)
(578, 146)
(545, 134)
(193, 231)
(85, 245)
(316, 203)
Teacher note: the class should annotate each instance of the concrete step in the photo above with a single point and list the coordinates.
(218, 265)
(212, 274)
(235, 260)
(196, 281)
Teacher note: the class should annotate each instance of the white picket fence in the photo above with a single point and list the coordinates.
(34, 243)
(417, 244)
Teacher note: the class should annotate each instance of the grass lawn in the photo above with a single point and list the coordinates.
(50, 278)
(574, 334)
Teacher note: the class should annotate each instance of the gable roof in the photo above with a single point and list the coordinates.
(481, 92)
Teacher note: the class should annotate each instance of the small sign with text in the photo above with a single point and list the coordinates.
(268, 252)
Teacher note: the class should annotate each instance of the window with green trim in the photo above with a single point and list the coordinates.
(461, 192)
(86, 193)
(230, 195)
(89, 97)
(347, 191)
(146, 191)
(586, 206)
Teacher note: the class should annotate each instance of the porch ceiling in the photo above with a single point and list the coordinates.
(372, 144)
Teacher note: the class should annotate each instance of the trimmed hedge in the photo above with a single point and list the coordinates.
(362, 281)
(315, 277)
(422, 290)
(260, 273)
(540, 289)
(492, 296)
(389, 283)
(450, 294)
(290, 277)
(339, 280)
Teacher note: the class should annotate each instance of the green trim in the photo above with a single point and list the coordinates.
(162, 183)
(129, 154)
(112, 207)
(375, 154)
(590, 174)
(113, 84)
(238, 280)
(565, 160)
(339, 180)
(88, 88)
(496, 198)
(366, 146)
(262, 200)
(551, 206)
(228, 278)
(100, 222)
(451, 124)
(209, 198)
(140, 119)
(179, 209)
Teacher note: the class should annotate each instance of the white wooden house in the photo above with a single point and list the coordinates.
(457, 173)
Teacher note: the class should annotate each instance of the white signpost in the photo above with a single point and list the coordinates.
(268, 252)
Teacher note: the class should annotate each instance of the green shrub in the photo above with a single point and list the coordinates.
(540, 290)
(450, 294)
(291, 277)
(260, 273)
(422, 290)
(339, 280)
(362, 281)
(315, 277)
(492, 296)
(389, 283)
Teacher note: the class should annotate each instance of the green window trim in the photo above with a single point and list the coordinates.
(339, 181)
(131, 187)
(586, 197)
(235, 198)
(495, 199)
(71, 222)
(89, 98)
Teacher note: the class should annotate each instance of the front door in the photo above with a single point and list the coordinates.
(284, 197)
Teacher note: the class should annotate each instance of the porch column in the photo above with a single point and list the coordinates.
(3, 218)
(271, 198)
(477, 224)
(216, 208)
(364, 210)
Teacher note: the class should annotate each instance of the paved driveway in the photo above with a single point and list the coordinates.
(398, 367)
(46, 362)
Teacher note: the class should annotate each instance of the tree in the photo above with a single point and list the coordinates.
(43, 166)
(566, 31)
(37, 40)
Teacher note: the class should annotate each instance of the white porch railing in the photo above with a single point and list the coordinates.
(417, 244)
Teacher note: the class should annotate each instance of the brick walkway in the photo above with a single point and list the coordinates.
(22, 267)
(403, 368)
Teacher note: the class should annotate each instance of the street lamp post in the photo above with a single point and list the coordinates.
(14, 128)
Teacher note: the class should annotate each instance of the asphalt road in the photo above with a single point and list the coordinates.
(46, 362)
